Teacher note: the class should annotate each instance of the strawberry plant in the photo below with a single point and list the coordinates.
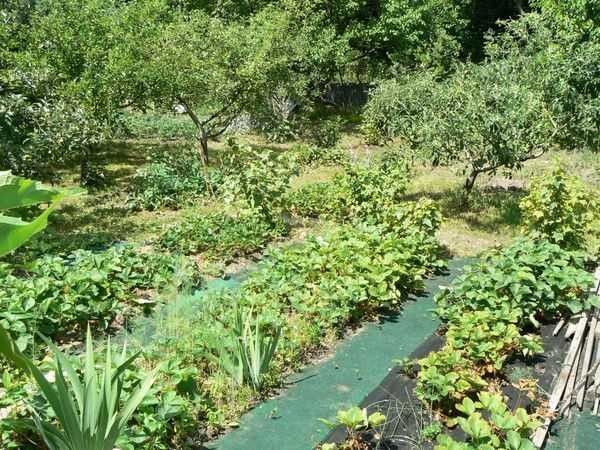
(219, 235)
(488, 342)
(447, 376)
(532, 279)
(356, 421)
(489, 424)
(57, 294)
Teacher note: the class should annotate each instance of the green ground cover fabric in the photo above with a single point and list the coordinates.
(581, 432)
(290, 421)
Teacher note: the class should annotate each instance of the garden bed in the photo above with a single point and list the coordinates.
(407, 418)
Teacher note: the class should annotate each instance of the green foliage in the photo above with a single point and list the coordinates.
(529, 280)
(447, 376)
(92, 409)
(219, 235)
(341, 277)
(325, 134)
(487, 341)
(311, 156)
(559, 209)
(59, 294)
(367, 193)
(40, 135)
(461, 120)
(393, 106)
(257, 178)
(173, 179)
(490, 424)
(152, 125)
(356, 420)
(545, 93)
(17, 192)
(247, 354)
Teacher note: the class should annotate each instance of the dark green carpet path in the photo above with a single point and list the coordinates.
(290, 421)
(579, 433)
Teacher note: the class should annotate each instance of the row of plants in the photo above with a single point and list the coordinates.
(301, 298)
(491, 314)
(58, 295)
(492, 311)
(229, 350)
(363, 191)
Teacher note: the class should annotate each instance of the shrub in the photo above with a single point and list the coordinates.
(394, 104)
(559, 209)
(532, 279)
(315, 200)
(310, 155)
(361, 192)
(219, 235)
(39, 136)
(173, 179)
(57, 294)
(326, 133)
(257, 179)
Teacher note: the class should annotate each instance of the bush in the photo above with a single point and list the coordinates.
(393, 106)
(559, 209)
(172, 180)
(220, 235)
(59, 294)
(257, 179)
(309, 155)
(326, 133)
(361, 192)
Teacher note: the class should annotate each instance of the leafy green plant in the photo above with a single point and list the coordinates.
(257, 178)
(356, 421)
(17, 192)
(532, 279)
(343, 275)
(489, 424)
(173, 179)
(90, 409)
(250, 350)
(559, 209)
(362, 192)
(58, 294)
(487, 341)
(219, 235)
(310, 155)
(447, 376)
(326, 133)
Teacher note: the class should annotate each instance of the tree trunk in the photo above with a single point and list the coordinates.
(470, 181)
(84, 167)
(203, 138)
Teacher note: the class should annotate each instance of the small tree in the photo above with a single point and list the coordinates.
(214, 69)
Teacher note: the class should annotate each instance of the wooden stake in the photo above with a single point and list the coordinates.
(587, 359)
(559, 325)
(569, 390)
(559, 388)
